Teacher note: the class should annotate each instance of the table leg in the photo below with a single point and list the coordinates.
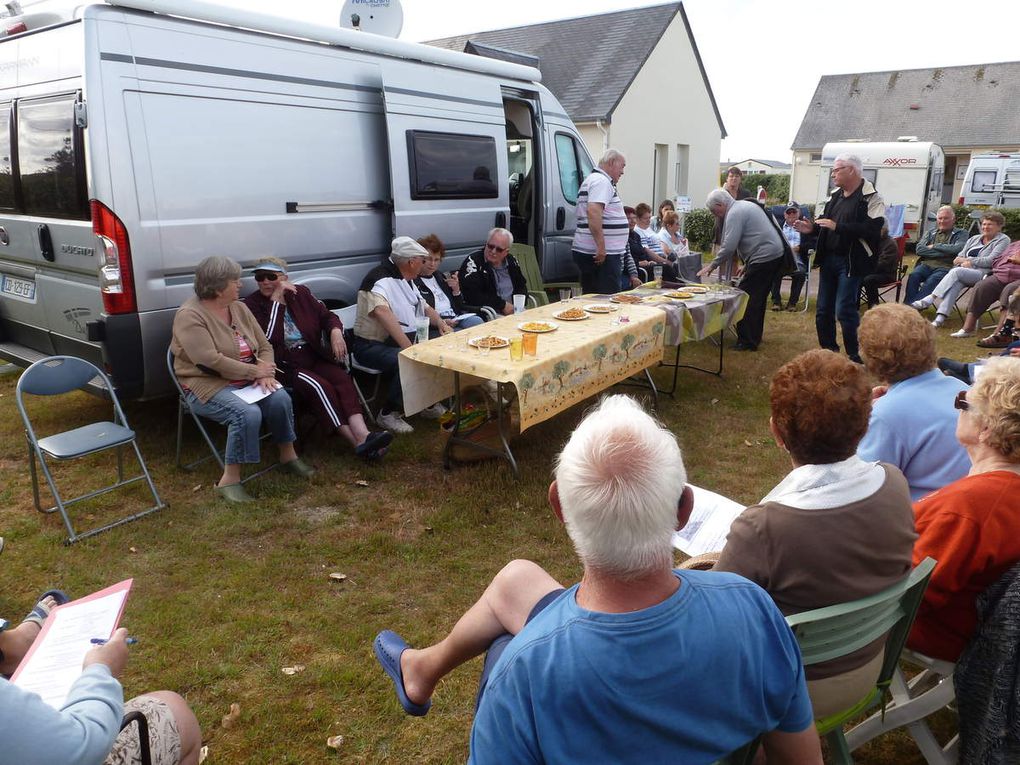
(456, 439)
(676, 366)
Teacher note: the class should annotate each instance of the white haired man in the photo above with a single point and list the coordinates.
(750, 231)
(935, 254)
(492, 276)
(600, 237)
(849, 230)
(636, 663)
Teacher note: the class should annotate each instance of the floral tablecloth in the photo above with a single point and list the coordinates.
(576, 361)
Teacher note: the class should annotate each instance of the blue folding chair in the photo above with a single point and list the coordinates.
(58, 375)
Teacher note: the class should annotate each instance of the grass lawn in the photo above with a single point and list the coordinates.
(225, 597)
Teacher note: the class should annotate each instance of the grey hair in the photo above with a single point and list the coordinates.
(619, 480)
(851, 159)
(947, 207)
(611, 156)
(718, 197)
(213, 274)
(501, 232)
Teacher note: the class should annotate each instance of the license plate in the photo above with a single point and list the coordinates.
(23, 289)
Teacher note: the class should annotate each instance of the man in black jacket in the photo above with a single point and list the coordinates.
(492, 275)
(849, 230)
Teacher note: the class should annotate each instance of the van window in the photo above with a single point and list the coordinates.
(48, 159)
(6, 173)
(573, 164)
(451, 166)
(984, 180)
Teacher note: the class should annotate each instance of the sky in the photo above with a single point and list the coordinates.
(763, 57)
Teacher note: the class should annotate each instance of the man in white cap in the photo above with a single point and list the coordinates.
(388, 301)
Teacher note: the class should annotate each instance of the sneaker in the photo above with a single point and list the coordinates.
(792, 308)
(962, 333)
(434, 412)
(938, 321)
(777, 306)
(923, 303)
(995, 341)
(395, 423)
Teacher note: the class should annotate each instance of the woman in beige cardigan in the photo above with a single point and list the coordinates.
(218, 348)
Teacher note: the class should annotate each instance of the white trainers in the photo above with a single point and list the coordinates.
(394, 423)
(962, 333)
(938, 321)
(434, 412)
(923, 303)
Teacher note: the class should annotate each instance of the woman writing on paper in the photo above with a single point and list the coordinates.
(219, 348)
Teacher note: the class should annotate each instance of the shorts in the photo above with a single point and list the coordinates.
(164, 738)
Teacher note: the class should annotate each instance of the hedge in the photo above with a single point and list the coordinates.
(777, 186)
(1011, 214)
(699, 226)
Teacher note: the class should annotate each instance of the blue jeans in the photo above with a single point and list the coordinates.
(922, 280)
(244, 421)
(469, 321)
(384, 358)
(838, 294)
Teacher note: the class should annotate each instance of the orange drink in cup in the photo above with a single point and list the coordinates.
(530, 343)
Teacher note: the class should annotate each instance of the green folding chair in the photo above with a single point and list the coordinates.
(829, 633)
(537, 289)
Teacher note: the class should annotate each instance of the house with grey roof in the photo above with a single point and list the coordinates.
(632, 80)
(754, 166)
(967, 110)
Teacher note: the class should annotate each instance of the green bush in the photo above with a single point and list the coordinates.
(699, 226)
(777, 186)
(1011, 214)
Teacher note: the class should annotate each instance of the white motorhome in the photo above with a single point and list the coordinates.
(905, 172)
(139, 136)
(992, 180)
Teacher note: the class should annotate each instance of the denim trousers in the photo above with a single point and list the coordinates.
(383, 357)
(838, 295)
(244, 421)
(922, 280)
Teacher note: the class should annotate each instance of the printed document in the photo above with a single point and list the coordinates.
(709, 524)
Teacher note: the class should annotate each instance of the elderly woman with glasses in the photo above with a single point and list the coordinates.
(971, 527)
(219, 348)
(295, 322)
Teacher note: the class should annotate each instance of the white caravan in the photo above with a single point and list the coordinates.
(138, 137)
(992, 180)
(905, 173)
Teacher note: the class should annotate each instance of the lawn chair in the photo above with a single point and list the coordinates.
(144, 754)
(58, 375)
(834, 631)
(896, 283)
(347, 317)
(538, 291)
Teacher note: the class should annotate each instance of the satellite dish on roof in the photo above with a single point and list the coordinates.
(380, 17)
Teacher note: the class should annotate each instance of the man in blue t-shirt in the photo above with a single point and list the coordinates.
(638, 662)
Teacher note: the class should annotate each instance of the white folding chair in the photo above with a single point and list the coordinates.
(347, 317)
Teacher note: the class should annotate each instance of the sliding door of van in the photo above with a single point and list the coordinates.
(448, 158)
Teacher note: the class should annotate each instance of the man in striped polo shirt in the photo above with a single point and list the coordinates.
(601, 234)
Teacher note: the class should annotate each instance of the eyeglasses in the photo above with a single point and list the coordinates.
(495, 249)
(961, 402)
(841, 167)
(262, 276)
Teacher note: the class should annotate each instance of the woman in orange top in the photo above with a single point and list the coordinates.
(972, 527)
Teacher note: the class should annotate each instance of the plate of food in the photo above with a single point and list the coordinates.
(625, 298)
(536, 326)
(600, 308)
(571, 314)
(697, 289)
(680, 295)
(489, 341)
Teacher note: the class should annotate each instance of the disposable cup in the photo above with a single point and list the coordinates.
(519, 303)
(530, 343)
(517, 348)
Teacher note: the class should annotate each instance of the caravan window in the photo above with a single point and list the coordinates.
(573, 164)
(451, 166)
(984, 180)
(6, 173)
(48, 159)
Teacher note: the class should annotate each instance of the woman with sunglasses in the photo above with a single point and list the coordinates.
(972, 527)
(295, 322)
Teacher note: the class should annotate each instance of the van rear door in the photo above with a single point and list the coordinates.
(447, 149)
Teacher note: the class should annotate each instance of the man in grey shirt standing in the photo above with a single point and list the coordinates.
(747, 232)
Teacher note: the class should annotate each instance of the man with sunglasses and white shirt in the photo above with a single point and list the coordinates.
(492, 276)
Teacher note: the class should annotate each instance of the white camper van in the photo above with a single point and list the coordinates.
(905, 173)
(992, 180)
(140, 136)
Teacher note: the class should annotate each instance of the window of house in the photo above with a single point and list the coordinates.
(452, 166)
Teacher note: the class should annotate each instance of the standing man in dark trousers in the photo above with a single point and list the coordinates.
(600, 238)
(747, 230)
(849, 230)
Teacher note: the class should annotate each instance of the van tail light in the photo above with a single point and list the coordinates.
(959, 201)
(116, 278)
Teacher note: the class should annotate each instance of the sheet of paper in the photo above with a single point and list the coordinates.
(249, 394)
(709, 524)
(54, 661)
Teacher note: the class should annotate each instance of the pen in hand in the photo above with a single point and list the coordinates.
(103, 641)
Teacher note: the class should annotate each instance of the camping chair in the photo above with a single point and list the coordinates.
(215, 453)
(912, 702)
(835, 631)
(57, 375)
(538, 291)
(347, 317)
(144, 753)
(896, 283)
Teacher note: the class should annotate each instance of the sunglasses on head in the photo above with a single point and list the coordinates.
(961, 401)
(261, 276)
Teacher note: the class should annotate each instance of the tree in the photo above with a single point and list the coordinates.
(599, 354)
(526, 383)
